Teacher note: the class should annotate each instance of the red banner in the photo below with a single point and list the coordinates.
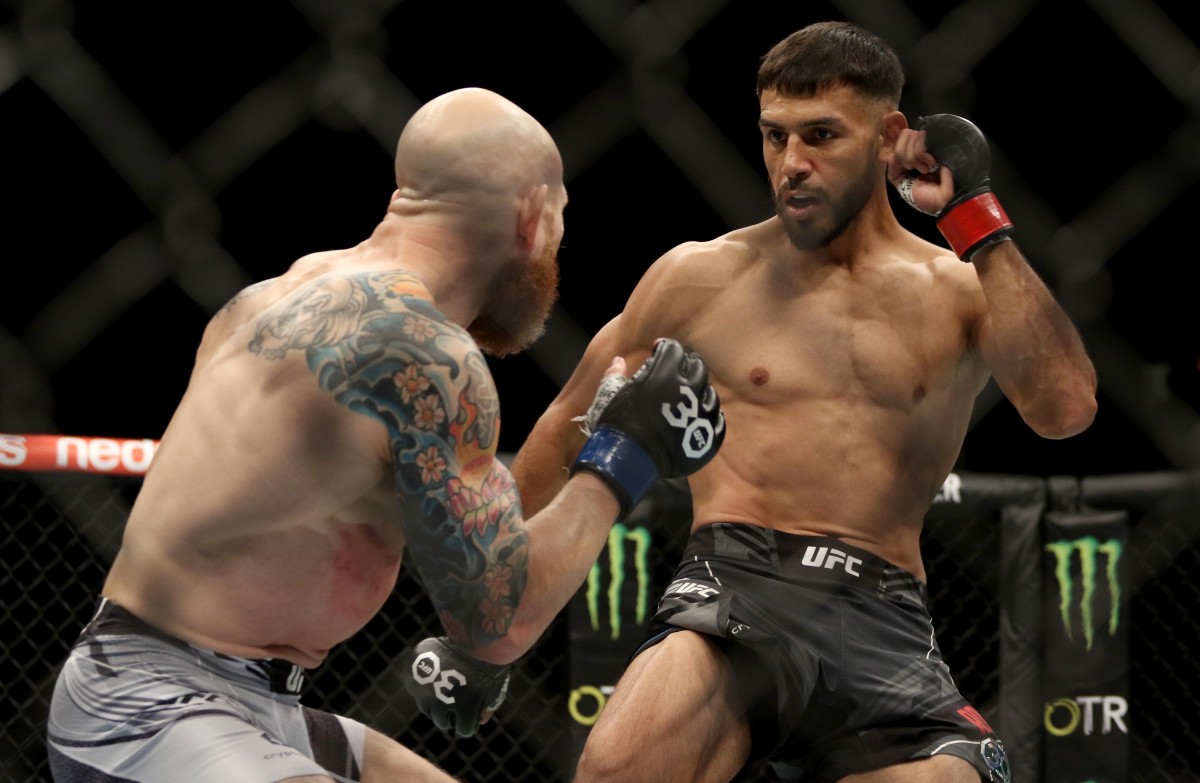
(76, 454)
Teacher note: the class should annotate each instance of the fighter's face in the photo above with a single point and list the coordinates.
(515, 316)
(822, 159)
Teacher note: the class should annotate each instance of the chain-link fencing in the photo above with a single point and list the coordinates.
(60, 531)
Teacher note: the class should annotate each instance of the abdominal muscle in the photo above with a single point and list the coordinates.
(866, 485)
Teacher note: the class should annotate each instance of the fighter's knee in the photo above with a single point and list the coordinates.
(934, 769)
(952, 769)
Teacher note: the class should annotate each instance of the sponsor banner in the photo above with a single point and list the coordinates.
(607, 621)
(64, 453)
(1085, 685)
(616, 597)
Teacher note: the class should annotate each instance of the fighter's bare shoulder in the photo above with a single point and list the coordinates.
(691, 267)
(674, 288)
(713, 260)
(938, 262)
(935, 274)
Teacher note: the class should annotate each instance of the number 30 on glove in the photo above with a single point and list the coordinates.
(454, 689)
(665, 422)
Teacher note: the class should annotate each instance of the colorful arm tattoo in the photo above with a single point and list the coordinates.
(377, 344)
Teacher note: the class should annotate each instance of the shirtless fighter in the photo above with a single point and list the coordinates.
(337, 416)
(848, 353)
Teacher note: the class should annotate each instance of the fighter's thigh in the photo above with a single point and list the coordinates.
(935, 769)
(387, 761)
(203, 748)
(674, 715)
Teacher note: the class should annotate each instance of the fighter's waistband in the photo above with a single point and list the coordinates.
(821, 557)
(111, 618)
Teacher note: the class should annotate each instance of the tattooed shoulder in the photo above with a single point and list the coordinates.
(380, 345)
(245, 293)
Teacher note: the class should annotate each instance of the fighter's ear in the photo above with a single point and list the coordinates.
(893, 123)
(530, 210)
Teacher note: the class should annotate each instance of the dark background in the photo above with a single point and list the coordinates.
(156, 157)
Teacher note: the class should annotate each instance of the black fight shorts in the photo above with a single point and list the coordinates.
(834, 652)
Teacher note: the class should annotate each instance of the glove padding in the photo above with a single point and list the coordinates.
(973, 219)
(609, 386)
(665, 422)
(454, 689)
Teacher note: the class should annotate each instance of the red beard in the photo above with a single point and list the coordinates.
(515, 316)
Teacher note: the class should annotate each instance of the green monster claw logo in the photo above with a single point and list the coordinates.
(1088, 547)
(617, 537)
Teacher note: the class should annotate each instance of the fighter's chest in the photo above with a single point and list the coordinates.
(886, 350)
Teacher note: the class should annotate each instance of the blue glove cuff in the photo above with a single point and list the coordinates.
(621, 462)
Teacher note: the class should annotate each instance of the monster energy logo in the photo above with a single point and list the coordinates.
(617, 537)
(1088, 548)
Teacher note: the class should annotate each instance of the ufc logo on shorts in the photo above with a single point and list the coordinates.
(427, 669)
(684, 587)
(828, 557)
(697, 432)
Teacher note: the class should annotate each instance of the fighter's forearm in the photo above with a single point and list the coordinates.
(1028, 342)
(1031, 346)
(563, 541)
(540, 468)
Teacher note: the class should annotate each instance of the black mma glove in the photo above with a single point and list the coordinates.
(974, 218)
(453, 688)
(665, 422)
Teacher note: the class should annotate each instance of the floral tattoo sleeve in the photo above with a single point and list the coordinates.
(378, 345)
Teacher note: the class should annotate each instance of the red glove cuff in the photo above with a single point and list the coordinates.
(974, 224)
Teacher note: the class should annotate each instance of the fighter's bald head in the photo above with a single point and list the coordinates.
(474, 142)
(480, 181)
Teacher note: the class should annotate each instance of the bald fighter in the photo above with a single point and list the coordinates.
(848, 353)
(337, 417)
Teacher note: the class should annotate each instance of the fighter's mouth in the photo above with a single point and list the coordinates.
(799, 201)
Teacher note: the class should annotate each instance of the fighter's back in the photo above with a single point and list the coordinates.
(267, 525)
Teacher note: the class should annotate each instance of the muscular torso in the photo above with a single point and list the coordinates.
(847, 390)
(267, 525)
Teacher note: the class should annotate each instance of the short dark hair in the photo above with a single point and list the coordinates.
(829, 54)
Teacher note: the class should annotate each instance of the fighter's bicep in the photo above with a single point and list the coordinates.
(579, 389)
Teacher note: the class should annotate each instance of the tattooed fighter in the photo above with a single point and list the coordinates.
(337, 417)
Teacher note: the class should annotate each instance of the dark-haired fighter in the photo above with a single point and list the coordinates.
(848, 353)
